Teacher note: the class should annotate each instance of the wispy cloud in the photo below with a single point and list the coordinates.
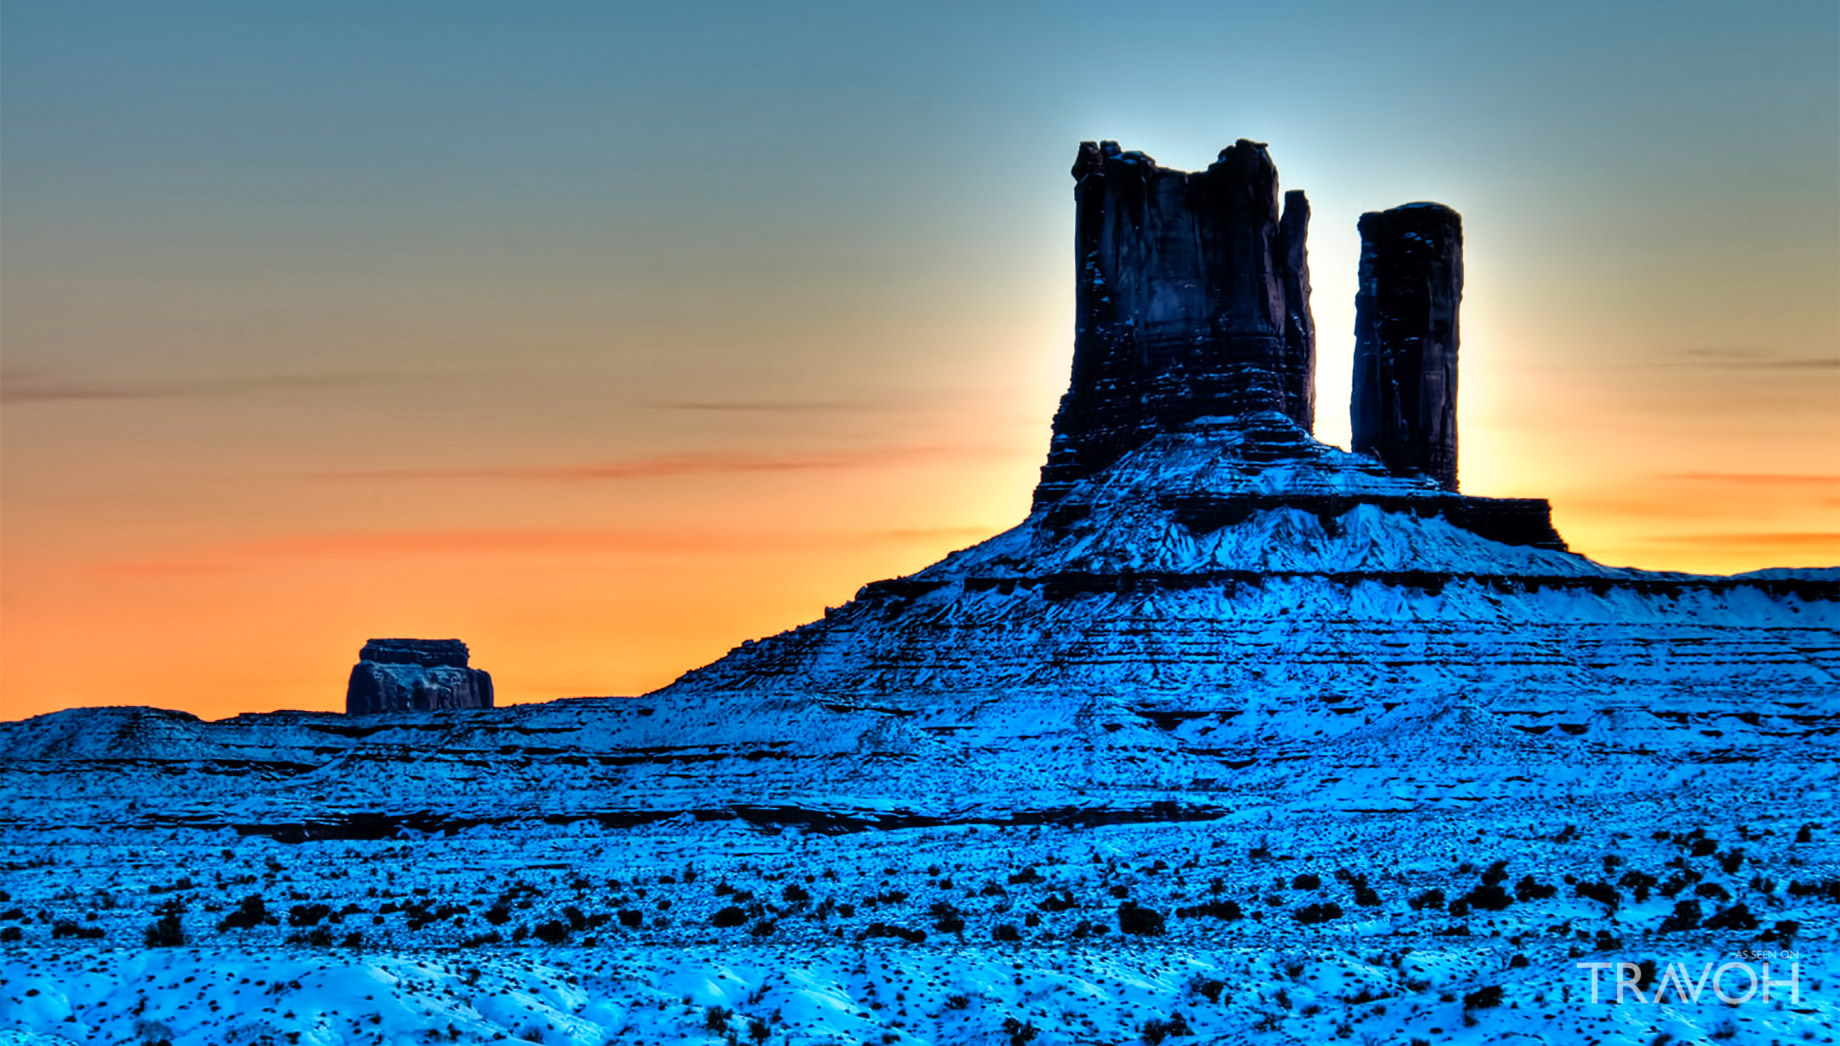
(22, 385)
(860, 406)
(1823, 540)
(673, 465)
(1749, 358)
(577, 543)
(1758, 479)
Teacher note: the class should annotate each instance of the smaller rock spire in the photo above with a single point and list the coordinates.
(1404, 407)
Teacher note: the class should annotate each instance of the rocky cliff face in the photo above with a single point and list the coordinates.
(1404, 409)
(1192, 299)
(401, 675)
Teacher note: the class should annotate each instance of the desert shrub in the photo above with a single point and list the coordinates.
(1712, 891)
(1318, 913)
(166, 932)
(1020, 1033)
(1488, 897)
(1227, 910)
(1028, 876)
(1602, 893)
(716, 1018)
(1640, 882)
(1006, 932)
(250, 913)
(1685, 917)
(552, 932)
(10, 934)
(946, 918)
(1306, 881)
(1139, 921)
(65, 928)
(727, 917)
(1483, 998)
(631, 919)
(1057, 902)
(879, 929)
(1737, 917)
(1530, 889)
(1207, 987)
(763, 928)
(1433, 899)
(1827, 889)
(307, 914)
(795, 894)
(1155, 1031)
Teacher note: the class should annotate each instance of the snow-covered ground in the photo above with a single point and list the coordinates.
(1241, 740)
(1273, 922)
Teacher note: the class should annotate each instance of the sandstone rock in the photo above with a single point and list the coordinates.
(1192, 299)
(1404, 408)
(400, 675)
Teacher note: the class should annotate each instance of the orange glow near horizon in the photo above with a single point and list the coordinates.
(606, 339)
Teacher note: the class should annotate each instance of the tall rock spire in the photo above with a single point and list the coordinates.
(1192, 299)
(1404, 409)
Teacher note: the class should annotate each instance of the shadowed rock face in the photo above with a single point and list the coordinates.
(1404, 408)
(1192, 301)
(401, 675)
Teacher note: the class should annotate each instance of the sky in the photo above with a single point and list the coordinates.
(607, 336)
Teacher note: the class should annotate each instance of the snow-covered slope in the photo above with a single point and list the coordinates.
(1289, 704)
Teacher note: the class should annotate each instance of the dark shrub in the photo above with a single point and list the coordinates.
(1737, 917)
(1155, 1031)
(1227, 910)
(166, 933)
(899, 932)
(66, 928)
(1528, 889)
(1006, 932)
(1686, 916)
(1602, 893)
(1488, 897)
(250, 913)
(946, 918)
(1138, 920)
(795, 894)
(1483, 998)
(1028, 876)
(1306, 881)
(631, 919)
(307, 914)
(727, 917)
(1433, 899)
(1318, 913)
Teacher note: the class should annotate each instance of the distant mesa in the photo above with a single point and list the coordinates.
(415, 675)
